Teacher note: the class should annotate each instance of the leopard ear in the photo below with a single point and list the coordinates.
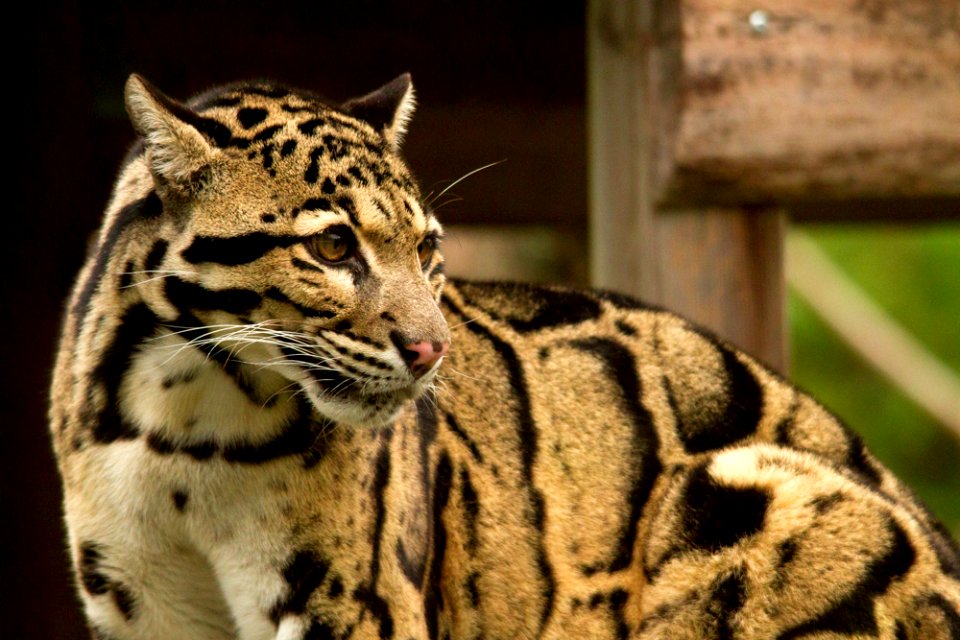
(388, 109)
(177, 152)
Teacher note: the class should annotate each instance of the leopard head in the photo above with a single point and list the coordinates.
(291, 234)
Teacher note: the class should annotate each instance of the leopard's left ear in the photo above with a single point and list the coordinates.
(178, 153)
(388, 109)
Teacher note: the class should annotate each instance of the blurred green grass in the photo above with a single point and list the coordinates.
(913, 273)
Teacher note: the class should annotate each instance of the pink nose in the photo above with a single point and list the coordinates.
(423, 355)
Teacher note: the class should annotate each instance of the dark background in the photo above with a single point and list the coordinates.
(495, 80)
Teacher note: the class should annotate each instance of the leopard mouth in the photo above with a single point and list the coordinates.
(331, 381)
(356, 401)
(340, 384)
(338, 394)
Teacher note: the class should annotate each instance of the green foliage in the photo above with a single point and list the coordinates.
(913, 273)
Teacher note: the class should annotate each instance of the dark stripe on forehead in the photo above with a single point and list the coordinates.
(358, 176)
(235, 250)
(316, 204)
(346, 203)
(312, 174)
(337, 146)
(310, 127)
(288, 148)
(267, 152)
(382, 208)
(251, 116)
(267, 133)
(289, 108)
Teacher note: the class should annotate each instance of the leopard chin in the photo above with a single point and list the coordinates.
(349, 401)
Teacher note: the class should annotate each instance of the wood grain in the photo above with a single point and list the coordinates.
(722, 267)
(837, 100)
(725, 269)
(633, 58)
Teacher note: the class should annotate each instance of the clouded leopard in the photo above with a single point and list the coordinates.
(275, 419)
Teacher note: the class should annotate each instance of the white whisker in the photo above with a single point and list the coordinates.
(460, 373)
(430, 200)
(279, 391)
(460, 324)
(446, 202)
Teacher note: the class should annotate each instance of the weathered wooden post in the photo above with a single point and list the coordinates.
(710, 118)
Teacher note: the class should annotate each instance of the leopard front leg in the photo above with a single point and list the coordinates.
(141, 586)
(173, 544)
(319, 597)
(340, 549)
(146, 590)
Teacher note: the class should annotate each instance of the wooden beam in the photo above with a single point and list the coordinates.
(633, 57)
(725, 269)
(722, 267)
(817, 100)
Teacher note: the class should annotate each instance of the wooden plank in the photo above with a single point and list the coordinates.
(725, 269)
(633, 58)
(722, 267)
(832, 100)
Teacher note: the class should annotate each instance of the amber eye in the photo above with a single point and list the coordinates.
(426, 248)
(333, 245)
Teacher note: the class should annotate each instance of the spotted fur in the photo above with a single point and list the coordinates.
(251, 445)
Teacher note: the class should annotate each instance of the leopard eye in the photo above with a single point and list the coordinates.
(332, 245)
(425, 250)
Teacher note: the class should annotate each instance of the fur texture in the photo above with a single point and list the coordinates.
(252, 446)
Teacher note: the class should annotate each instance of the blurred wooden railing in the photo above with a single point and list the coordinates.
(709, 121)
